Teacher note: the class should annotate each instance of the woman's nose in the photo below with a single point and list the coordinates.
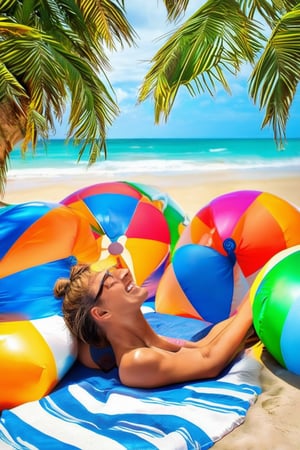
(122, 273)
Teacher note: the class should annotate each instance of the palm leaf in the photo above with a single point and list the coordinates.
(215, 41)
(16, 28)
(52, 77)
(175, 8)
(92, 106)
(106, 22)
(9, 85)
(274, 80)
(269, 11)
(6, 5)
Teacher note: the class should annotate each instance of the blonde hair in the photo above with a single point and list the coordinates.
(77, 303)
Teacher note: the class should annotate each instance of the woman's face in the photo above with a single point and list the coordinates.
(116, 286)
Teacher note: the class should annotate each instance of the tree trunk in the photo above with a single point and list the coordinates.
(12, 131)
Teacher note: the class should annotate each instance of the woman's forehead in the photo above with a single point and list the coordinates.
(99, 276)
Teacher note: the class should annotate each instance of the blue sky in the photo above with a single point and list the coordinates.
(223, 116)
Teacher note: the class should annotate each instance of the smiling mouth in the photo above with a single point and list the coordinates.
(130, 287)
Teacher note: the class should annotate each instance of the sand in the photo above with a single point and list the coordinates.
(272, 423)
(190, 192)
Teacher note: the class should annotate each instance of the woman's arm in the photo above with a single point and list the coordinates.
(174, 344)
(154, 367)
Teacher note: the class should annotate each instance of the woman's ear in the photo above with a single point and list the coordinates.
(98, 313)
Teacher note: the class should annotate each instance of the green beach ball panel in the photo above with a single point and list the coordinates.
(276, 307)
(290, 339)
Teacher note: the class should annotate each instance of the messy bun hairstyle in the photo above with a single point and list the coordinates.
(77, 303)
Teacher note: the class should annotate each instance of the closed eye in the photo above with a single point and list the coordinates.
(104, 278)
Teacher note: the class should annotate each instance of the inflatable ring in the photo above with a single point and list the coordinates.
(39, 242)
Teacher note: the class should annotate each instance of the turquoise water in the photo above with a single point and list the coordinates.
(160, 157)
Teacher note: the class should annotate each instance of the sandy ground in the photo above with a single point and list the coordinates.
(272, 423)
(190, 192)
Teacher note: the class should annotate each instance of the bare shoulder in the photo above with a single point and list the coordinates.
(154, 367)
(140, 367)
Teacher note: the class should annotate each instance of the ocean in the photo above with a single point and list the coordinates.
(160, 157)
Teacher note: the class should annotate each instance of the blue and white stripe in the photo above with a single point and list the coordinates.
(93, 411)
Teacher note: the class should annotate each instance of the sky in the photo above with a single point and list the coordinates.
(224, 116)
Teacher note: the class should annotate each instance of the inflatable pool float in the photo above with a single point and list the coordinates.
(275, 296)
(247, 228)
(39, 242)
(135, 226)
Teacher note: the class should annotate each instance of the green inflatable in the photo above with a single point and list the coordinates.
(275, 296)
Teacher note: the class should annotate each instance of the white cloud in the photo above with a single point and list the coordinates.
(122, 94)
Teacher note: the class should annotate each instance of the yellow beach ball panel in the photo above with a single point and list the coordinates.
(28, 368)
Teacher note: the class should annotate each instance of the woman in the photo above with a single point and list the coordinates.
(105, 307)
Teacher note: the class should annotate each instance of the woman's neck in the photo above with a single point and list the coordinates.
(131, 333)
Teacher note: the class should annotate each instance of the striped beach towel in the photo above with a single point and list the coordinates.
(93, 410)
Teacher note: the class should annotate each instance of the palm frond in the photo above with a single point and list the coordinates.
(269, 10)
(92, 106)
(6, 5)
(107, 22)
(51, 54)
(274, 80)
(175, 8)
(64, 21)
(53, 77)
(36, 126)
(16, 28)
(215, 41)
(9, 85)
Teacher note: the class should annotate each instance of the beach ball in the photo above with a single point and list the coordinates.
(39, 242)
(134, 225)
(275, 297)
(250, 227)
(200, 283)
(259, 223)
(175, 216)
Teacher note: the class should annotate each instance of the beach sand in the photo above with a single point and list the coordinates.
(272, 423)
(190, 191)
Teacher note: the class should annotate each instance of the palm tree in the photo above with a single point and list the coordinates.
(216, 41)
(52, 54)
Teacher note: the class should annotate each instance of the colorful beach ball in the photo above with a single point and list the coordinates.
(252, 226)
(201, 283)
(39, 242)
(135, 226)
(259, 223)
(176, 218)
(275, 295)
